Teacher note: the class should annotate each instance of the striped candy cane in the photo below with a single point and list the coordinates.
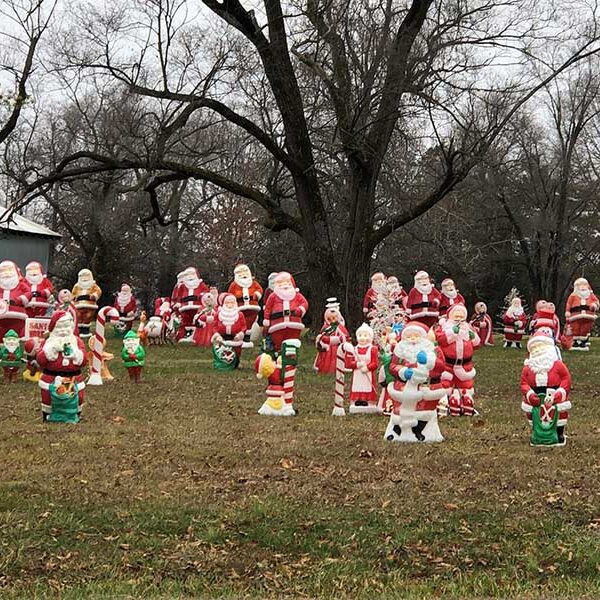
(289, 351)
(110, 313)
(338, 402)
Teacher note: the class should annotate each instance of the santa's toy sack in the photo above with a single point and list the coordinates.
(64, 397)
(544, 419)
(224, 358)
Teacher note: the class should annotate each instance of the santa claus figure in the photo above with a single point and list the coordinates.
(126, 304)
(189, 302)
(458, 341)
(515, 321)
(413, 415)
(86, 294)
(40, 288)
(378, 287)
(449, 296)
(581, 313)
(11, 356)
(332, 334)
(362, 360)
(133, 356)
(545, 317)
(229, 327)
(162, 308)
(204, 321)
(269, 288)
(545, 384)
(61, 358)
(396, 292)
(423, 301)
(14, 299)
(248, 293)
(482, 324)
(284, 311)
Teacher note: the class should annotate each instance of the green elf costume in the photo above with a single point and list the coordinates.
(133, 355)
(11, 356)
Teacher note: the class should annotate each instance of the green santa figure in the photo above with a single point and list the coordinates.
(11, 356)
(133, 355)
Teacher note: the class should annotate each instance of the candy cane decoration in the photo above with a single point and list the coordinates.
(110, 313)
(338, 408)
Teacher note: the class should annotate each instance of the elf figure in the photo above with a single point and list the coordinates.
(11, 356)
(423, 301)
(126, 304)
(133, 355)
(247, 292)
(86, 294)
(449, 296)
(14, 298)
(514, 321)
(40, 288)
(31, 372)
(481, 323)
(332, 334)
(581, 313)
(545, 384)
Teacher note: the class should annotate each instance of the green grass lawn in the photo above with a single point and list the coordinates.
(176, 488)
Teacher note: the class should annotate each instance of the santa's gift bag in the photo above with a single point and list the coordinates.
(543, 425)
(64, 398)
(224, 358)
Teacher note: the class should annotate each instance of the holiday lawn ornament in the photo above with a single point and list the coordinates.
(284, 311)
(156, 330)
(61, 358)
(423, 300)
(104, 314)
(545, 317)
(247, 292)
(126, 305)
(162, 308)
(133, 355)
(11, 356)
(378, 288)
(65, 303)
(514, 321)
(396, 293)
(449, 296)
(105, 373)
(482, 324)
(581, 313)
(204, 321)
(86, 294)
(142, 331)
(269, 289)
(384, 376)
(280, 374)
(545, 384)
(229, 329)
(189, 302)
(40, 289)
(332, 334)
(413, 415)
(31, 347)
(14, 297)
(458, 341)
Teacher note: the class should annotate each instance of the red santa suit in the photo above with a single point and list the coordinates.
(127, 306)
(363, 389)
(328, 342)
(247, 299)
(228, 325)
(423, 306)
(283, 318)
(581, 314)
(204, 321)
(545, 316)
(515, 321)
(14, 297)
(189, 301)
(41, 289)
(446, 300)
(483, 326)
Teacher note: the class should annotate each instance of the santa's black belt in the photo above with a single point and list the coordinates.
(542, 389)
(420, 305)
(458, 361)
(85, 297)
(36, 294)
(62, 373)
(284, 313)
(435, 380)
(123, 313)
(190, 298)
(580, 308)
(13, 303)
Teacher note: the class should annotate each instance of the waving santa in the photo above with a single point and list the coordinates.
(581, 313)
(14, 298)
(423, 300)
(41, 289)
(189, 301)
(247, 292)
(126, 304)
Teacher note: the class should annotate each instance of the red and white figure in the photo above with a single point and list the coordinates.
(204, 321)
(247, 292)
(41, 290)
(62, 356)
(104, 314)
(413, 415)
(333, 333)
(177, 290)
(378, 288)
(396, 293)
(544, 374)
(284, 311)
(515, 322)
(14, 298)
(229, 325)
(189, 302)
(31, 348)
(449, 296)
(581, 313)
(86, 294)
(545, 317)
(162, 308)
(126, 305)
(458, 341)
(363, 361)
(423, 300)
(482, 324)
(269, 288)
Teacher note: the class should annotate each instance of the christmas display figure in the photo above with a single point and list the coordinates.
(482, 324)
(14, 298)
(31, 372)
(449, 296)
(189, 302)
(204, 321)
(156, 331)
(228, 337)
(162, 308)
(11, 356)
(61, 358)
(396, 292)
(284, 311)
(109, 313)
(413, 415)
(65, 303)
(142, 331)
(378, 287)
(545, 385)
(281, 376)
(458, 341)
(269, 288)
(332, 334)
(581, 313)
(248, 293)
(423, 300)
(176, 294)
(363, 360)
(545, 317)
(86, 294)
(104, 358)
(133, 355)
(384, 376)
(514, 321)
(126, 304)
(40, 288)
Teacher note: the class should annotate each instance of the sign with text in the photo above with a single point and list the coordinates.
(36, 327)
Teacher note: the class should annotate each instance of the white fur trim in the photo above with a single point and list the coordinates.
(526, 407)
(14, 315)
(563, 406)
(364, 410)
(338, 411)
(293, 342)
(286, 325)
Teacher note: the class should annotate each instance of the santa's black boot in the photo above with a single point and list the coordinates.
(418, 430)
(518, 344)
(560, 432)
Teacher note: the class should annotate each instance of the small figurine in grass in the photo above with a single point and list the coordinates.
(133, 355)
(332, 334)
(481, 322)
(11, 356)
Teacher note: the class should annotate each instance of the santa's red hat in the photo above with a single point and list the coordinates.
(420, 274)
(541, 336)
(223, 296)
(30, 345)
(414, 327)
(35, 264)
(447, 281)
(454, 309)
(264, 365)
(58, 315)
(481, 305)
(284, 275)
(5, 265)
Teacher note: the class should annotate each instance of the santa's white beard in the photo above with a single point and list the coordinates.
(244, 282)
(123, 298)
(191, 285)
(11, 347)
(34, 279)
(228, 316)
(286, 294)
(131, 346)
(451, 293)
(9, 283)
(515, 312)
(584, 294)
(86, 285)
(424, 288)
(59, 341)
(380, 288)
(408, 351)
(542, 363)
